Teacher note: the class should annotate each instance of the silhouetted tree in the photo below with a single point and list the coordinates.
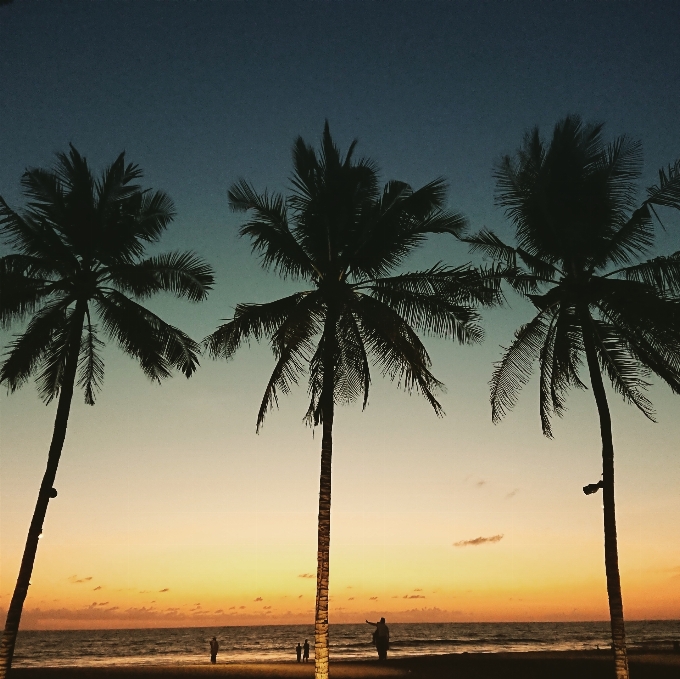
(339, 233)
(79, 247)
(573, 205)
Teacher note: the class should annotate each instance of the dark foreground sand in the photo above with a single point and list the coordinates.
(540, 665)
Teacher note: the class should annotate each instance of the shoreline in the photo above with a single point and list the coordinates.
(527, 664)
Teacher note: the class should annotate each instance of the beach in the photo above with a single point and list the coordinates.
(529, 665)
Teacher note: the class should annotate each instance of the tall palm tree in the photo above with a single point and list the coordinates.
(580, 236)
(341, 235)
(79, 249)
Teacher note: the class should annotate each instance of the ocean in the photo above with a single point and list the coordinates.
(189, 645)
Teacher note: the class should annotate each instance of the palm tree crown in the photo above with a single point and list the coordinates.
(79, 247)
(580, 235)
(341, 234)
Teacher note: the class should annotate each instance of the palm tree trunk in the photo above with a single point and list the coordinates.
(611, 552)
(321, 646)
(9, 635)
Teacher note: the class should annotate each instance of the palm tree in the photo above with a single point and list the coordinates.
(341, 235)
(580, 236)
(79, 247)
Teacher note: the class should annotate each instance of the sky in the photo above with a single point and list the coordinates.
(171, 510)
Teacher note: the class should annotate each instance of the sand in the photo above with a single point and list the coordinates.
(539, 665)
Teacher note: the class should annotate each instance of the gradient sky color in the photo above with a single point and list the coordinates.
(171, 510)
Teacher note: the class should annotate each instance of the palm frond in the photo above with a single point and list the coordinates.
(292, 345)
(90, 363)
(184, 274)
(22, 288)
(391, 228)
(33, 236)
(513, 371)
(633, 239)
(647, 323)
(625, 372)
(667, 192)
(51, 375)
(436, 302)
(396, 349)
(662, 273)
(251, 321)
(114, 187)
(158, 346)
(269, 231)
(28, 349)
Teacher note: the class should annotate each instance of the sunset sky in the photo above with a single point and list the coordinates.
(171, 510)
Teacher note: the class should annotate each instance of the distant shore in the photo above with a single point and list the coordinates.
(529, 665)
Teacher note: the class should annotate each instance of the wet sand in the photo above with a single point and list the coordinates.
(539, 665)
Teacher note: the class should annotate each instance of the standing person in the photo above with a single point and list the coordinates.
(214, 647)
(381, 638)
(305, 655)
(298, 650)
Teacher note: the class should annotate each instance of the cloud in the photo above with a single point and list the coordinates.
(75, 580)
(241, 607)
(300, 597)
(373, 598)
(98, 587)
(396, 596)
(306, 575)
(512, 494)
(479, 484)
(413, 596)
(478, 541)
(351, 599)
(165, 589)
(232, 608)
(266, 608)
(418, 589)
(258, 599)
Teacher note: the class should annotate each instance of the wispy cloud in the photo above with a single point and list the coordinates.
(478, 541)
(75, 580)
(479, 484)
(97, 588)
(165, 589)
(413, 596)
(373, 598)
(258, 599)
(351, 599)
(418, 589)
(306, 575)
(512, 494)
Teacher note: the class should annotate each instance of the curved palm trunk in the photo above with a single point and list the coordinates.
(611, 552)
(9, 635)
(321, 650)
(323, 548)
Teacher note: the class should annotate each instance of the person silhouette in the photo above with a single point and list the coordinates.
(298, 650)
(214, 647)
(305, 655)
(381, 638)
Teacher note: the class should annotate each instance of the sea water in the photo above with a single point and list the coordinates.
(269, 643)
